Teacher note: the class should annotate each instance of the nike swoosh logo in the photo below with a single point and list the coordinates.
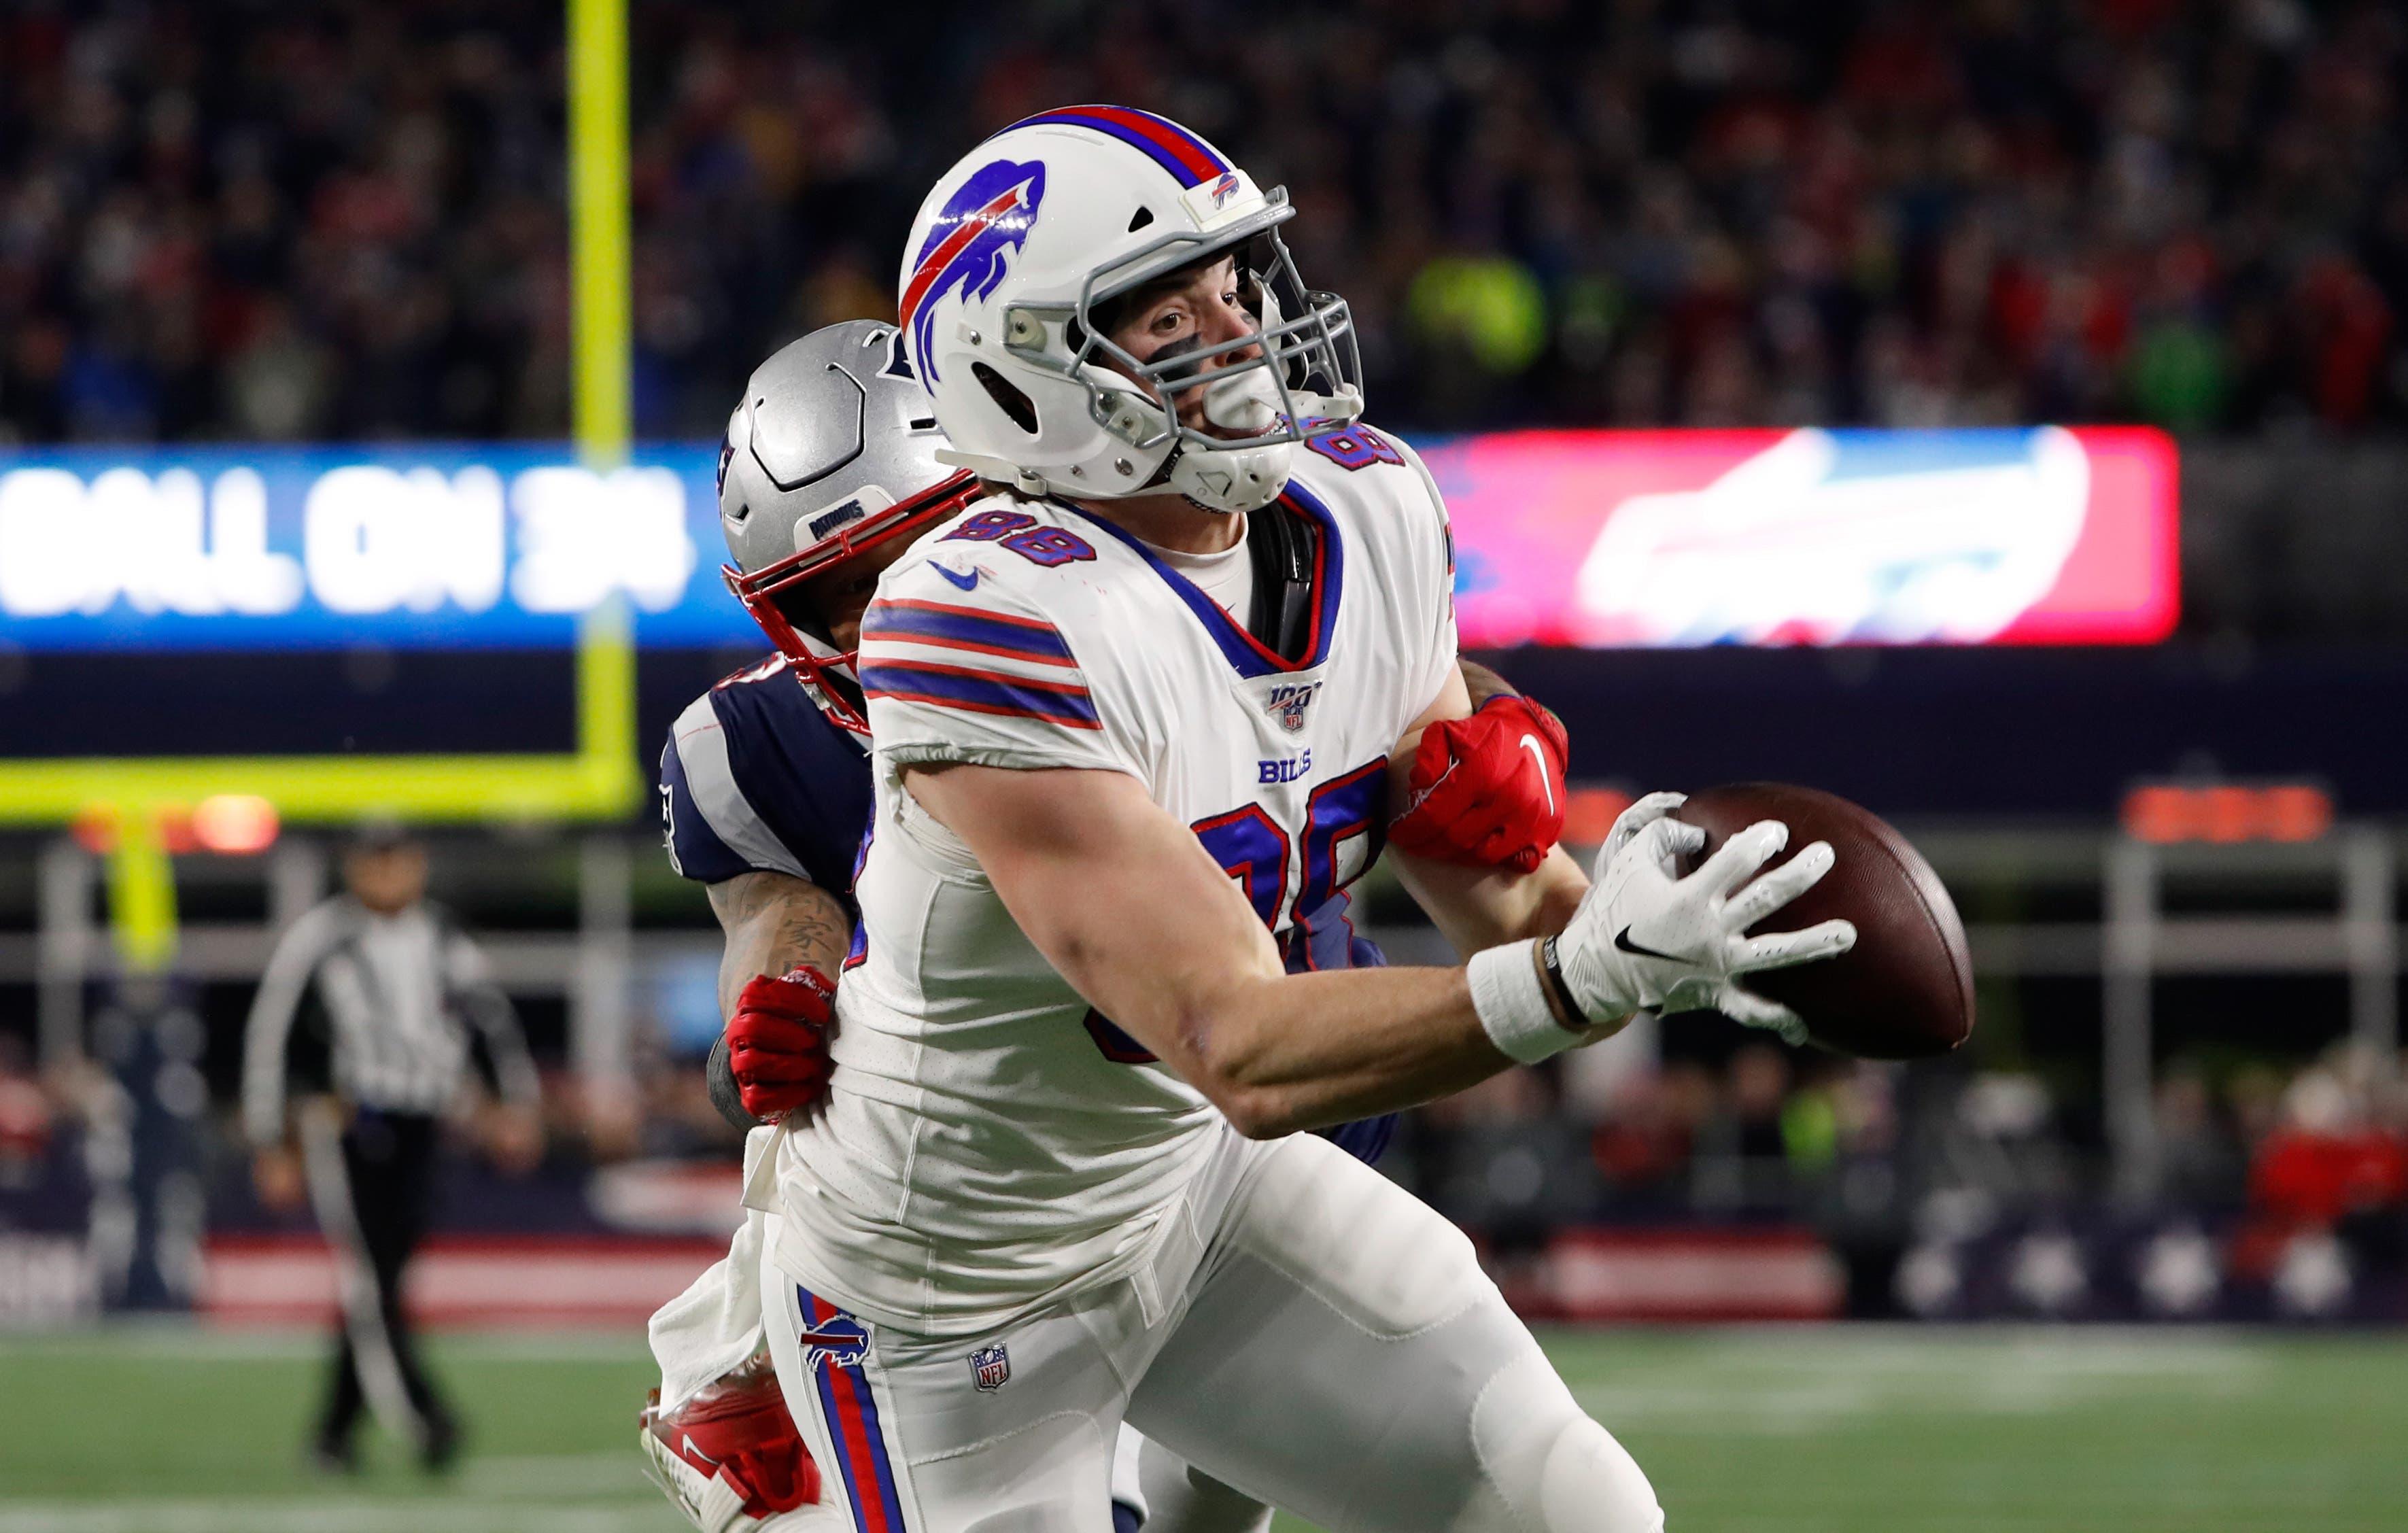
(1622, 941)
(968, 583)
(1530, 743)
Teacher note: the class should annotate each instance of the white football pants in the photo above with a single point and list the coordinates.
(1181, 1498)
(1329, 1346)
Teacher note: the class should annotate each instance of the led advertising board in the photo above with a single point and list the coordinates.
(1590, 538)
(265, 548)
(1689, 537)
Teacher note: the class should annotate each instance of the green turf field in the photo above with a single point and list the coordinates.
(1826, 1431)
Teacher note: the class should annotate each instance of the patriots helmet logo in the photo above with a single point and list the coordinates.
(991, 1368)
(991, 213)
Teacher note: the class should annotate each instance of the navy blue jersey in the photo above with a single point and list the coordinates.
(755, 779)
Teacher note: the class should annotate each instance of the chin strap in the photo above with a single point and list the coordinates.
(1028, 481)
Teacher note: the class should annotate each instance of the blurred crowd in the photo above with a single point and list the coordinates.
(2274, 1188)
(2279, 1164)
(250, 220)
(1761, 1134)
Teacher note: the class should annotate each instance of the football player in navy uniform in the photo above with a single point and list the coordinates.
(828, 474)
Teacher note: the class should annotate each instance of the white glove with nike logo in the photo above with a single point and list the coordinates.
(1644, 937)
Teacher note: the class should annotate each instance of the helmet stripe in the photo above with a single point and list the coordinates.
(1171, 146)
(939, 259)
(1191, 150)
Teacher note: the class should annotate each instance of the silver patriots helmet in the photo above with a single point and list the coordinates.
(832, 452)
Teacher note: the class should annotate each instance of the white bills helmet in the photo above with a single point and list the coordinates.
(831, 452)
(1019, 244)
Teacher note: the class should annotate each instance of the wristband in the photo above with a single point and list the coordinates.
(1509, 994)
(1559, 990)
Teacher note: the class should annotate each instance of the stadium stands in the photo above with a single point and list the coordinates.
(345, 220)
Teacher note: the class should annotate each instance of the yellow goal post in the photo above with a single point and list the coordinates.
(130, 798)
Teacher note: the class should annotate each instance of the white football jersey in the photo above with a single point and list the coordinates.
(990, 1144)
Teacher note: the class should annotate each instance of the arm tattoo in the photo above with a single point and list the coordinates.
(776, 922)
(811, 928)
(1484, 683)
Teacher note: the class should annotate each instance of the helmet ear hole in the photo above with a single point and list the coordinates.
(1008, 398)
(1140, 219)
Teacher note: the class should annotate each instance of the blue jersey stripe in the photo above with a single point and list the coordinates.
(1245, 653)
(935, 619)
(985, 692)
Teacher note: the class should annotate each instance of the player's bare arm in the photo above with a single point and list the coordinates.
(1124, 903)
(1480, 683)
(774, 923)
(785, 936)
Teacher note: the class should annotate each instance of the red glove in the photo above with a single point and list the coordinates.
(736, 1432)
(1486, 791)
(777, 1042)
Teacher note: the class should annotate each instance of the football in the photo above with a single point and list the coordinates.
(1905, 991)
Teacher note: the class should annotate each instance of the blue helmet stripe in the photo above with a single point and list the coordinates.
(1177, 151)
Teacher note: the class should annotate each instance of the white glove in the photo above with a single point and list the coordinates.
(1645, 939)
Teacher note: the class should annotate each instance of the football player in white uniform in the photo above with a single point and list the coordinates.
(827, 475)
(1102, 800)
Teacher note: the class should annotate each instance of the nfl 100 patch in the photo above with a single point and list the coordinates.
(1288, 702)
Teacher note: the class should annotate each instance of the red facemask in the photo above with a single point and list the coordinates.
(773, 593)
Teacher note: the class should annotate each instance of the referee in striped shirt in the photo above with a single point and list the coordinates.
(394, 989)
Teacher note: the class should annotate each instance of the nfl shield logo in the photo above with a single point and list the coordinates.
(1287, 703)
(991, 1367)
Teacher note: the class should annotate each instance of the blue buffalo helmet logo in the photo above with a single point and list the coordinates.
(990, 213)
(840, 1336)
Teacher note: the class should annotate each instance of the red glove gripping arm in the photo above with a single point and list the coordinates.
(777, 1042)
(1487, 790)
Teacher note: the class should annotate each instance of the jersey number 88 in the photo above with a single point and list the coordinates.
(1253, 849)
